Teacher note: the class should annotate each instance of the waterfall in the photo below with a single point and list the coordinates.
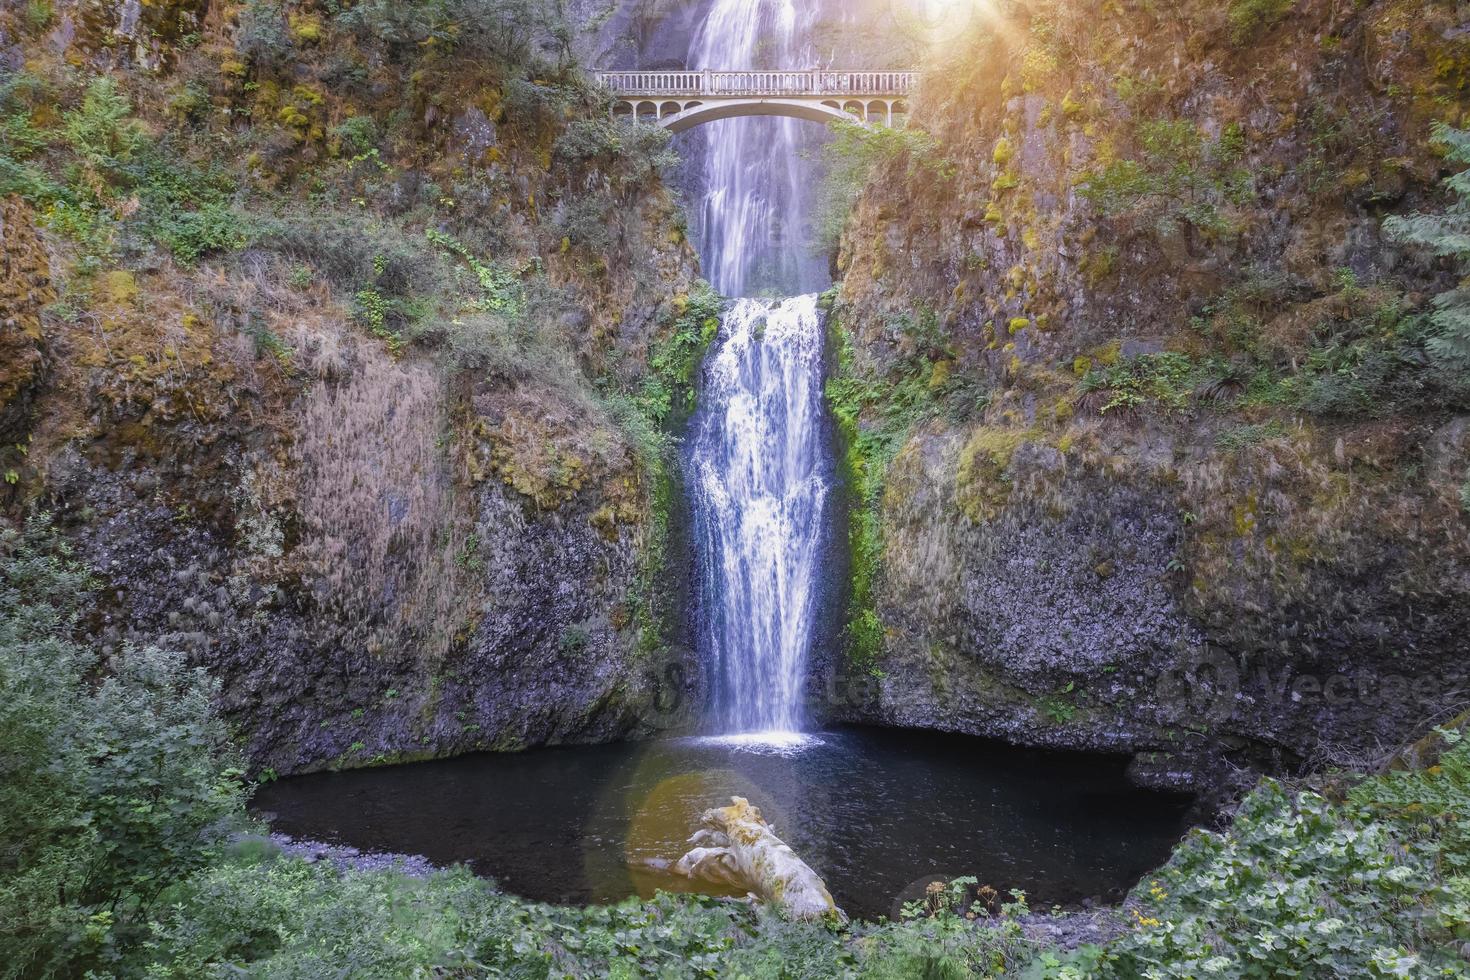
(757, 467)
(755, 222)
(760, 479)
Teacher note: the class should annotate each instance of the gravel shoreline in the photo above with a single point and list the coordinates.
(345, 858)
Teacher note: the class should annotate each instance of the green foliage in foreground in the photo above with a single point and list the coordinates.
(284, 918)
(1375, 886)
(111, 789)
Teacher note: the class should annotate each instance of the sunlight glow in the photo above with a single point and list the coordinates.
(935, 21)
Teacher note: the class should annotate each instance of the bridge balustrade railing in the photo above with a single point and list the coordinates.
(746, 84)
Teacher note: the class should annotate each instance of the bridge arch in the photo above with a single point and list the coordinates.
(707, 112)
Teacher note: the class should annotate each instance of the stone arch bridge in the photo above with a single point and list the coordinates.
(680, 100)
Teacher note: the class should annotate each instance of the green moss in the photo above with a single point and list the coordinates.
(668, 395)
(874, 417)
(983, 486)
(1097, 266)
(864, 459)
(663, 404)
(1003, 153)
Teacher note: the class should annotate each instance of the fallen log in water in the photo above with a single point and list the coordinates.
(737, 847)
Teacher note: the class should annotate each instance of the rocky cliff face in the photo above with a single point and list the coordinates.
(344, 383)
(1153, 453)
(25, 273)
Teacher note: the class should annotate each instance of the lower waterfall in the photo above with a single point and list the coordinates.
(760, 483)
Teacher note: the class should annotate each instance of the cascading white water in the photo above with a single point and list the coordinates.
(754, 225)
(759, 479)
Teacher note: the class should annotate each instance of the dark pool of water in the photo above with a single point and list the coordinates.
(878, 814)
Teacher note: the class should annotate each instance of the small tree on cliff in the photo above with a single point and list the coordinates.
(1446, 234)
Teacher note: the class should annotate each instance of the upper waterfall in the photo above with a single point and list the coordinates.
(754, 225)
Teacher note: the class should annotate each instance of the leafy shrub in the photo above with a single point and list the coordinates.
(400, 25)
(536, 107)
(20, 139)
(500, 288)
(501, 32)
(506, 30)
(589, 139)
(191, 235)
(26, 181)
(1177, 175)
(358, 134)
(1360, 372)
(1162, 380)
(185, 208)
(586, 223)
(352, 251)
(264, 34)
(110, 791)
(853, 155)
(188, 209)
(102, 132)
(91, 226)
(668, 392)
(37, 15)
(638, 150)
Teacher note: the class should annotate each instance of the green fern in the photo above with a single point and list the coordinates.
(1446, 234)
(101, 132)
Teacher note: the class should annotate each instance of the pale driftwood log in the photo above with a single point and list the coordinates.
(737, 847)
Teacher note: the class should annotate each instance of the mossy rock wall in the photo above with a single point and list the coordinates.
(380, 456)
(1137, 240)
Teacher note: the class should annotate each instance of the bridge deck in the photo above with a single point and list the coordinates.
(755, 84)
